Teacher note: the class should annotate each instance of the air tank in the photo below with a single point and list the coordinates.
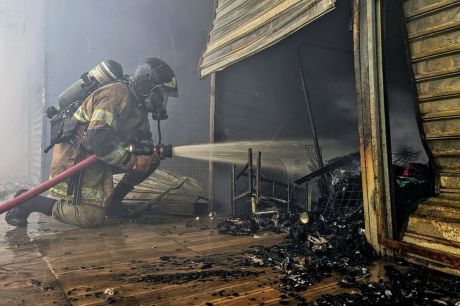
(106, 72)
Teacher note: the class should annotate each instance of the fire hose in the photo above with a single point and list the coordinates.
(47, 185)
(162, 150)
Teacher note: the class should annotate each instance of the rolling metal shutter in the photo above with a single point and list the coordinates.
(433, 29)
(242, 28)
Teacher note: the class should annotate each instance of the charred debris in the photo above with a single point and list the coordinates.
(327, 238)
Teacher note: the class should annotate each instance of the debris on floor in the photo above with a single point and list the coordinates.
(415, 286)
(202, 276)
(318, 249)
(332, 242)
(40, 284)
(238, 226)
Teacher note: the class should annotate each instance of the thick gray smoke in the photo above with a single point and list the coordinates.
(11, 102)
(83, 33)
(21, 38)
(46, 45)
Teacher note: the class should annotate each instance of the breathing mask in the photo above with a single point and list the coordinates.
(154, 82)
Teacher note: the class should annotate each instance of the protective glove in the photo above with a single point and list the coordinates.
(143, 163)
(146, 163)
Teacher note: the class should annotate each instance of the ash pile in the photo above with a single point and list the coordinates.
(406, 285)
(332, 241)
(327, 238)
(318, 249)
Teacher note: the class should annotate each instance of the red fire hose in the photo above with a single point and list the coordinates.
(47, 185)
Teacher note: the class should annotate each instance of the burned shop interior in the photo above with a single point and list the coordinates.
(230, 152)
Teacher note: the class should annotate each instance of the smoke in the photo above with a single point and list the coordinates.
(71, 37)
(83, 33)
(17, 40)
(262, 89)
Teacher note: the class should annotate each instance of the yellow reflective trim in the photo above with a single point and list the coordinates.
(81, 115)
(60, 189)
(87, 193)
(171, 84)
(78, 118)
(91, 194)
(103, 116)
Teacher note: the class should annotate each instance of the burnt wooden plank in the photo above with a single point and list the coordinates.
(99, 260)
(25, 278)
(106, 258)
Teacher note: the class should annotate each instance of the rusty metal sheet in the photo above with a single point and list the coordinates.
(445, 201)
(248, 10)
(437, 67)
(448, 86)
(450, 182)
(449, 259)
(440, 105)
(377, 202)
(448, 164)
(445, 148)
(242, 28)
(449, 191)
(446, 42)
(418, 7)
(416, 239)
(443, 19)
(167, 192)
(433, 29)
(434, 227)
(431, 264)
(435, 210)
(442, 128)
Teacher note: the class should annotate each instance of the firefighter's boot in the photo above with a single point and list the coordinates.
(18, 215)
(117, 209)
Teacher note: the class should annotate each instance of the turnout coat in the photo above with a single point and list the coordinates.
(108, 121)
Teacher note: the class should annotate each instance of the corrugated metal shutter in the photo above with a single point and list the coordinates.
(242, 28)
(433, 29)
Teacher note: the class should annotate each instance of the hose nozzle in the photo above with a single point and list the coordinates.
(163, 151)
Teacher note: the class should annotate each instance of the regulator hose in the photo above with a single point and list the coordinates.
(159, 132)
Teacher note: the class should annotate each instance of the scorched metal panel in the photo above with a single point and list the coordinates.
(242, 28)
(433, 29)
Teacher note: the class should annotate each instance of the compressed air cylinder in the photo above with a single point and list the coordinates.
(106, 72)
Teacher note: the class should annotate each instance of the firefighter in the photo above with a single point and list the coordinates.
(108, 121)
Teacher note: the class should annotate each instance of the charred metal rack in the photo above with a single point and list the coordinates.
(324, 171)
(255, 181)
